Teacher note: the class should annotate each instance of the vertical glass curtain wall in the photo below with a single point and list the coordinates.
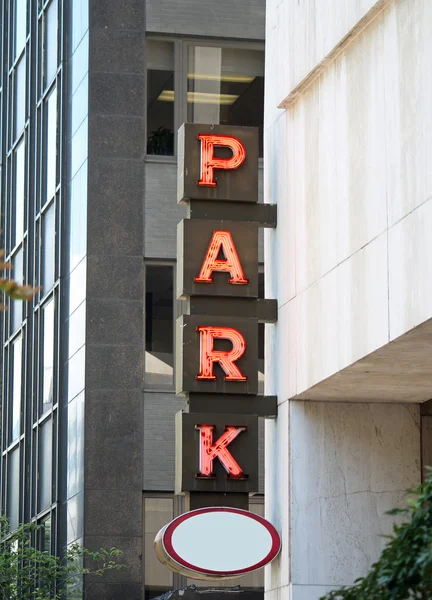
(31, 205)
(76, 269)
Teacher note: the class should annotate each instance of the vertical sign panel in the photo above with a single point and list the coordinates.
(217, 162)
(216, 355)
(217, 258)
(216, 453)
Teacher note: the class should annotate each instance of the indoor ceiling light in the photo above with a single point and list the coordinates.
(224, 77)
(200, 97)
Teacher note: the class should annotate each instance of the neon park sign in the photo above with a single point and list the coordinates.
(217, 355)
(217, 336)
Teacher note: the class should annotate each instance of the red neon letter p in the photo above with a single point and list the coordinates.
(209, 162)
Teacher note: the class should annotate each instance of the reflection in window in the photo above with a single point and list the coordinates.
(75, 446)
(17, 274)
(20, 96)
(48, 248)
(16, 389)
(225, 86)
(157, 513)
(19, 192)
(48, 356)
(50, 49)
(261, 330)
(160, 97)
(78, 217)
(45, 536)
(159, 326)
(13, 477)
(20, 25)
(45, 464)
(51, 144)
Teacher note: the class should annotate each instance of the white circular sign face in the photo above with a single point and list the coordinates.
(217, 542)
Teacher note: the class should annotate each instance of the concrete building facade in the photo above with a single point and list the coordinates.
(91, 94)
(348, 141)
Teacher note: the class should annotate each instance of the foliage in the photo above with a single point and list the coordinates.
(27, 573)
(404, 569)
(161, 141)
(11, 288)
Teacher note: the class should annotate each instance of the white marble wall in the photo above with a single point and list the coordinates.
(348, 164)
(307, 31)
(349, 167)
(340, 467)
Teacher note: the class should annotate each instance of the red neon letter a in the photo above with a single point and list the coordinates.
(221, 240)
(208, 356)
(209, 162)
(209, 451)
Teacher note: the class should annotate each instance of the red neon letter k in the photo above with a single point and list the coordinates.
(209, 451)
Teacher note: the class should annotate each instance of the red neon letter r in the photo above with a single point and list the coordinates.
(209, 162)
(208, 356)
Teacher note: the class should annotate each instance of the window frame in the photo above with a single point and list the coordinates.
(177, 312)
(181, 50)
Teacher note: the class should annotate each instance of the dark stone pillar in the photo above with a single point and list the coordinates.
(114, 360)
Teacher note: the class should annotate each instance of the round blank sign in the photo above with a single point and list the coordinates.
(217, 542)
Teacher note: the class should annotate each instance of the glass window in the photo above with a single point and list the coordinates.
(157, 513)
(160, 97)
(51, 144)
(48, 249)
(45, 464)
(13, 488)
(17, 305)
(76, 379)
(75, 446)
(20, 25)
(77, 329)
(77, 286)
(159, 338)
(20, 96)
(225, 86)
(45, 536)
(78, 217)
(50, 50)
(16, 389)
(261, 339)
(48, 356)
(19, 193)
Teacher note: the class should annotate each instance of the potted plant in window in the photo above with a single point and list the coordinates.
(161, 141)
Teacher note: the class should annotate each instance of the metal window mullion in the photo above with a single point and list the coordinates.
(4, 57)
(29, 267)
(181, 96)
(54, 445)
(58, 543)
(6, 393)
(178, 90)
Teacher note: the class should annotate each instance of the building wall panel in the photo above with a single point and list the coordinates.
(243, 19)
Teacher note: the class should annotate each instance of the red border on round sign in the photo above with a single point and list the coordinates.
(171, 527)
